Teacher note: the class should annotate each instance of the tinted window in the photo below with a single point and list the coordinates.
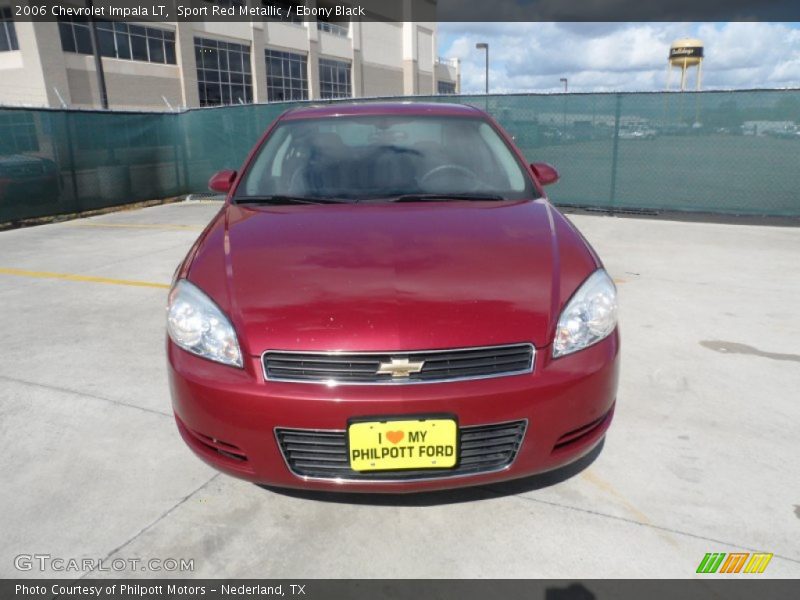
(118, 40)
(8, 35)
(124, 45)
(67, 37)
(83, 40)
(334, 78)
(156, 48)
(287, 76)
(138, 47)
(105, 40)
(223, 72)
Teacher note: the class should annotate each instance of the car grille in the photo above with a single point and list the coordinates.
(323, 454)
(363, 367)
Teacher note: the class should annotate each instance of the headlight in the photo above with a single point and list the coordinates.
(196, 324)
(589, 316)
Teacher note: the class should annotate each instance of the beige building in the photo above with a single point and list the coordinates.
(170, 65)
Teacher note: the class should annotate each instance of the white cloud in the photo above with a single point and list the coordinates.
(532, 57)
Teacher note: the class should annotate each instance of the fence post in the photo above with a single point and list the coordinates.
(73, 173)
(184, 142)
(615, 153)
(176, 150)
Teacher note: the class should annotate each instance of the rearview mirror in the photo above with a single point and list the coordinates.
(222, 181)
(546, 174)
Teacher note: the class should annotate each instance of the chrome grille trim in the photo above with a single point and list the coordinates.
(360, 368)
(337, 438)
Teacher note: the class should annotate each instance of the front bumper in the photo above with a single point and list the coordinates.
(228, 416)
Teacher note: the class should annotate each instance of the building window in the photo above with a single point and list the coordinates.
(334, 78)
(288, 11)
(17, 132)
(340, 29)
(223, 72)
(118, 40)
(75, 36)
(287, 76)
(446, 87)
(8, 35)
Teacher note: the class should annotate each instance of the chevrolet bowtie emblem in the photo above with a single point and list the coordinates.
(400, 367)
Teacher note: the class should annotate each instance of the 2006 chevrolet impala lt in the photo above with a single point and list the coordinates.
(388, 302)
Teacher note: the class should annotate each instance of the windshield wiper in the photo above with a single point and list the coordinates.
(445, 197)
(287, 199)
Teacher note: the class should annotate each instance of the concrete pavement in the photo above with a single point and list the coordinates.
(702, 456)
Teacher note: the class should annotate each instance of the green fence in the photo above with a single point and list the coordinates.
(720, 152)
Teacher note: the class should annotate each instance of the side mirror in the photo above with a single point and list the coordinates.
(546, 174)
(222, 181)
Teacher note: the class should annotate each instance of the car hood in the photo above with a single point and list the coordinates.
(391, 276)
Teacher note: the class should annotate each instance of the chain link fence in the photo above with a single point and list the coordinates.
(732, 152)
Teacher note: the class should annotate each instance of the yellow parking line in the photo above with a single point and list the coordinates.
(601, 483)
(140, 226)
(594, 479)
(83, 278)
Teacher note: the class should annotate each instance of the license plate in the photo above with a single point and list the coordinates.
(403, 444)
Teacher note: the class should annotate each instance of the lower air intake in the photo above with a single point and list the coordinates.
(323, 454)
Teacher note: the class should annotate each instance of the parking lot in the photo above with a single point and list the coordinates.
(702, 455)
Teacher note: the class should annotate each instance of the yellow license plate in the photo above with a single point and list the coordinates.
(411, 444)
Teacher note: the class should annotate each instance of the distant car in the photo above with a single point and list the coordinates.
(387, 302)
(638, 134)
(28, 178)
(785, 134)
(551, 134)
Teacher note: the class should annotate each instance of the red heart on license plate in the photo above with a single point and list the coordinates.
(394, 436)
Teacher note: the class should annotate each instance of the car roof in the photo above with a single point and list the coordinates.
(382, 109)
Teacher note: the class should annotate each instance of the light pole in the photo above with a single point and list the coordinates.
(485, 46)
(98, 61)
(564, 125)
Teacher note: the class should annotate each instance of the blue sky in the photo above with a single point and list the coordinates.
(532, 57)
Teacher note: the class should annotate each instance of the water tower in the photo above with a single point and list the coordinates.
(685, 54)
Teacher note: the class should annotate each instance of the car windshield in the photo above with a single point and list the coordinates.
(385, 158)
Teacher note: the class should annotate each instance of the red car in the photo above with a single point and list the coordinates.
(387, 302)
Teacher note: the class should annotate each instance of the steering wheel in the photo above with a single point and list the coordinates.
(457, 169)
